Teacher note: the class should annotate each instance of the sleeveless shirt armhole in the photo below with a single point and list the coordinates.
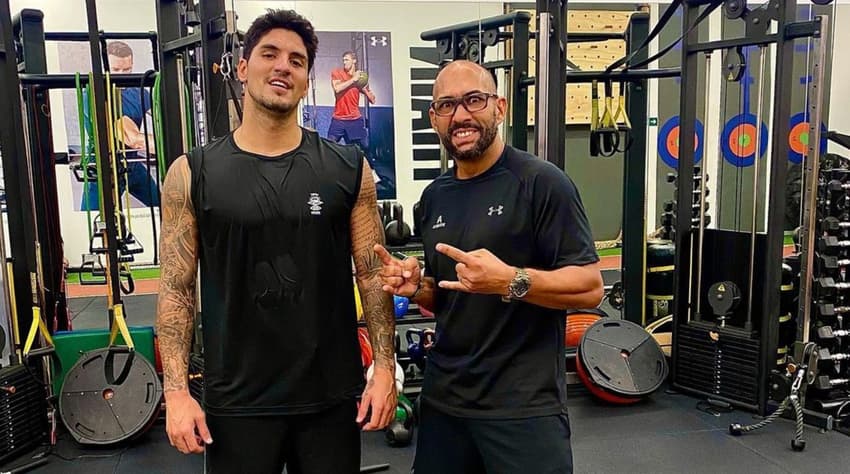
(195, 160)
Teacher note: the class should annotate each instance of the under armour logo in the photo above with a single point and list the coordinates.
(495, 210)
(376, 40)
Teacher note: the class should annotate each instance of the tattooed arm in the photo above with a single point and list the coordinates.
(366, 231)
(176, 308)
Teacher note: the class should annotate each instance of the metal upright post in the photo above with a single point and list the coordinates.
(634, 184)
(16, 176)
(685, 177)
(213, 26)
(30, 24)
(551, 137)
(170, 28)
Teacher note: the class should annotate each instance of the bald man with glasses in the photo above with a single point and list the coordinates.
(508, 249)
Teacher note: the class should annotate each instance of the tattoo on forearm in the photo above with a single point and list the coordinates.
(176, 304)
(366, 231)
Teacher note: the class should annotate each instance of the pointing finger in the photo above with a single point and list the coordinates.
(453, 285)
(382, 253)
(454, 253)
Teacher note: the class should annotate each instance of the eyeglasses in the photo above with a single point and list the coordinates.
(472, 102)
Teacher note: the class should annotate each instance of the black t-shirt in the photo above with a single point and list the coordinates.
(278, 311)
(493, 359)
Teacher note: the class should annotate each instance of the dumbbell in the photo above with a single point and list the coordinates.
(832, 223)
(397, 231)
(826, 332)
(831, 244)
(824, 354)
(827, 285)
(829, 310)
(823, 382)
(829, 262)
(836, 185)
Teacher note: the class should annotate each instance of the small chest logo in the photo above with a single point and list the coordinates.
(495, 210)
(439, 224)
(315, 203)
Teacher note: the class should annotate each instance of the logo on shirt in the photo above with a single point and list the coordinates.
(495, 210)
(439, 224)
(378, 40)
(315, 203)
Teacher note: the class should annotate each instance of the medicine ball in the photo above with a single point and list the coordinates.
(363, 78)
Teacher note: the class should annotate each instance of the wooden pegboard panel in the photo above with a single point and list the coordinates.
(588, 56)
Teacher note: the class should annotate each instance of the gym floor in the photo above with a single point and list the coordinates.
(666, 433)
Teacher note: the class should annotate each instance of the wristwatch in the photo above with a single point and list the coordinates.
(519, 286)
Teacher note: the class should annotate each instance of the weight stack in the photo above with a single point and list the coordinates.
(718, 363)
(23, 412)
(196, 377)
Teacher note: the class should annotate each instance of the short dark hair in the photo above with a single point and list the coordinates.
(287, 20)
(350, 53)
(119, 49)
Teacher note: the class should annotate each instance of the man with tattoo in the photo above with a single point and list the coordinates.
(274, 215)
(507, 250)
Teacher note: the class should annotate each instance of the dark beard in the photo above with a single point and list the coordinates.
(272, 108)
(485, 139)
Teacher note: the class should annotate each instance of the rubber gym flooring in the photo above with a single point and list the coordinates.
(664, 434)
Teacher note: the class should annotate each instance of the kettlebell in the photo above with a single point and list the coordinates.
(417, 220)
(400, 432)
(419, 341)
(386, 213)
(400, 304)
(397, 231)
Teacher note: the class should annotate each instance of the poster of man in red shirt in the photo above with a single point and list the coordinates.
(351, 99)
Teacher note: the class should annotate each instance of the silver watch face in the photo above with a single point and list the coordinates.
(519, 286)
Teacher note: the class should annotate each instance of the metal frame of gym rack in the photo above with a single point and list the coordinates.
(731, 363)
(21, 258)
(28, 27)
(37, 83)
(550, 104)
(178, 54)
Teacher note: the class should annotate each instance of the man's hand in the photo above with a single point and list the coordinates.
(186, 423)
(478, 271)
(399, 277)
(380, 398)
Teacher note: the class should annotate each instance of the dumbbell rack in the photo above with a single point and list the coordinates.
(825, 293)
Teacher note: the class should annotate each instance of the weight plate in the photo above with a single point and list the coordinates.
(96, 412)
(621, 357)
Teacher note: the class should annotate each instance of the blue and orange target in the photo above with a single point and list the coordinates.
(668, 142)
(738, 140)
(798, 137)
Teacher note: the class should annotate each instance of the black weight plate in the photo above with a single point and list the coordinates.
(623, 358)
(96, 412)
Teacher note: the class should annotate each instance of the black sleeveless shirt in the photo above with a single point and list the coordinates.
(277, 296)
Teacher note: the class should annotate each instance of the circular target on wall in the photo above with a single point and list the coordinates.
(798, 137)
(668, 142)
(738, 140)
